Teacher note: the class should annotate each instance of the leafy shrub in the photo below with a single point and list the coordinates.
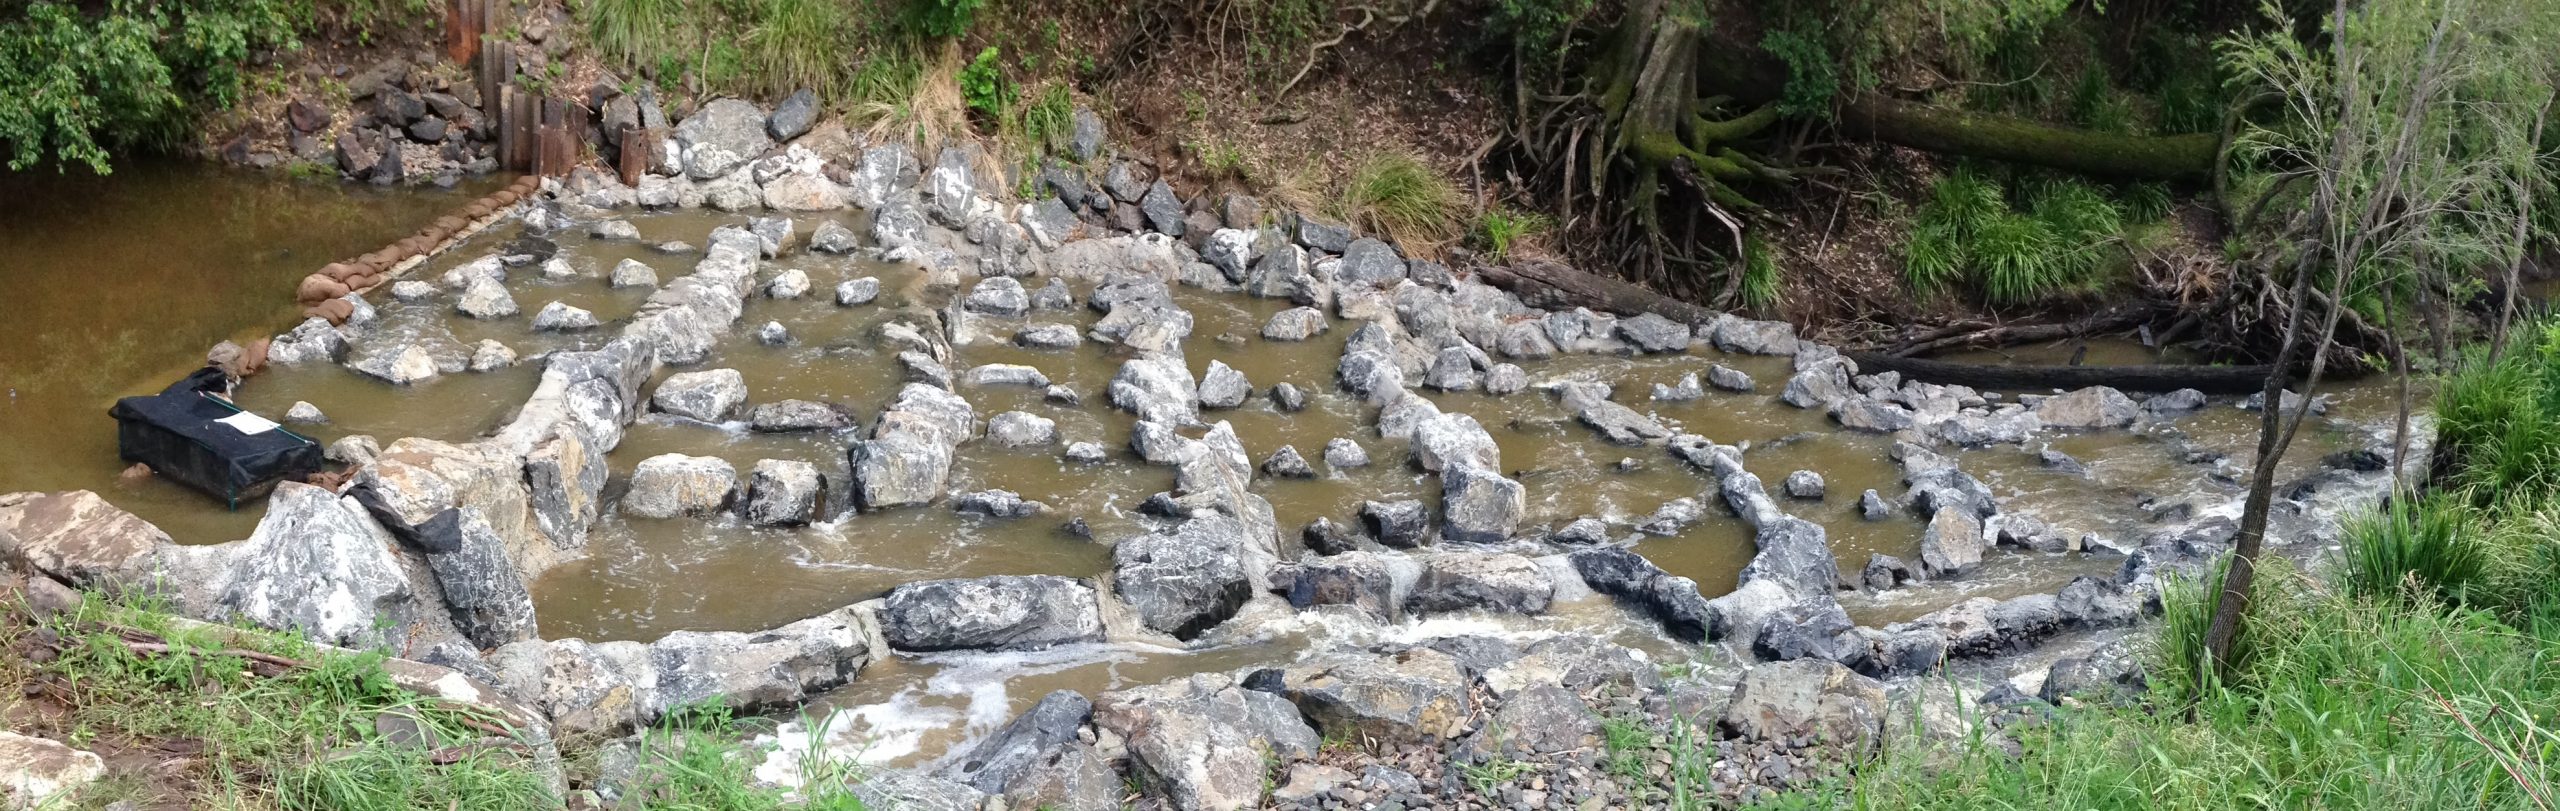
(76, 86)
(2498, 423)
(1812, 80)
(1049, 120)
(982, 85)
(640, 33)
(942, 18)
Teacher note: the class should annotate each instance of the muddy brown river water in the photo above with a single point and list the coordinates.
(116, 287)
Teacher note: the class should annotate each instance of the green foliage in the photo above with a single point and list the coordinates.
(796, 44)
(2413, 548)
(1539, 29)
(1968, 233)
(1759, 273)
(1049, 120)
(2498, 422)
(78, 82)
(942, 18)
(1812, 80)
(2347, 704)
(304, 738)
(1502, 229)
(982, 85)
(1394, 194)
(2095, 104)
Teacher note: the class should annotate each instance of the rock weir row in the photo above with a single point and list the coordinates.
(1451, 604)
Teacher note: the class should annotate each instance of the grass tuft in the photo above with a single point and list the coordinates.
(1502, 231)
(1395, 195)
(2413, 548)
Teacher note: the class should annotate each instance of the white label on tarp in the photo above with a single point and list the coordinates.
(247, 423)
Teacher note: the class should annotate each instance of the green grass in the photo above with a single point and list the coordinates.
(1394, 194)
(1968, 233)
(305, 738)
(1502, 230)
(1759, 274)
(2414, 548)
(2348, 703)
(799, 43)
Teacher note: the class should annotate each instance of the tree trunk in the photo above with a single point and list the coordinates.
(2018, 140)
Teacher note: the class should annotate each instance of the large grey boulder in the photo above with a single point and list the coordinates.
(1223, 387)
(710, 395)
(1414, 696)
(999, 296)
(558, 317)
(1205, 742)
(1022, 429)
(1370, 262)
(2092, 408)
(1157, 389)
(1952, 543)
(313, 340)
(1402, 524)
(484, 592)
(1497, 582)
(795, 416)
(317, 565)
(1185, 580)
(43, 773)
(1650, 332)
(1755, 337)
(1672, 600)
(1478, 505)
(669, 485)
(906, 462)
(721, 137)
(783, 493)
(749, 672)
(1002, 612)
(1807, 703)
(1015, 750)
(485, 299)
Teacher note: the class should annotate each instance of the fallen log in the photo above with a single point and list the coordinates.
(2207, 379)
(1554, 286)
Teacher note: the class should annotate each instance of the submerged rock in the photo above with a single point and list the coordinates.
(1288, 464)
(790, 416)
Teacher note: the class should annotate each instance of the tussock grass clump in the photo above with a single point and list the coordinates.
(1394, 194)
(1759, 273)
(2498, 421)
(799, 43)
(1968, 233)
(2414, 548)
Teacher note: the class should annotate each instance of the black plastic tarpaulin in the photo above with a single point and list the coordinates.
(189, 435)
